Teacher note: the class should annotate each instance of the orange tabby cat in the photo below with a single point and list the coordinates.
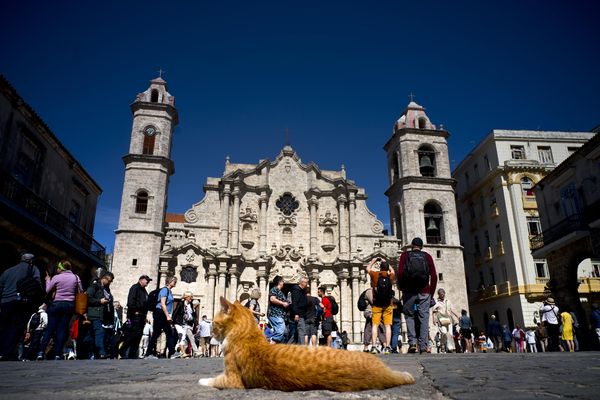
(251, 362)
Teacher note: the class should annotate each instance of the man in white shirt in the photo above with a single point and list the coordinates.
(35, 330)
(550, 315)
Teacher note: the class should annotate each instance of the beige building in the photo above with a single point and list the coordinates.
(569, 205)
(498, 216)
(280, 217)
(47, 199)
(421, 197)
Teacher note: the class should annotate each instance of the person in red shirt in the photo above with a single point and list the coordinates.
(327, 324)
(417, 279)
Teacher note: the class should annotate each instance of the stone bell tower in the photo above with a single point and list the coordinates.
(421, 196)
(148, 166)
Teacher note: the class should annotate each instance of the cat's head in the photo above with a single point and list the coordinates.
(231, 315)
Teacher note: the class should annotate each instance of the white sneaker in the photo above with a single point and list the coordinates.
(176, 355)
(151, 357)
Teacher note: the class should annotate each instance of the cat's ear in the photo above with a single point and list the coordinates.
(225, 305)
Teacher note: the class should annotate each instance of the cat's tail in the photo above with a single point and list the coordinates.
(401, 378)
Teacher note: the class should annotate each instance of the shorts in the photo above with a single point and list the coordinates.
(327, 326)
(204, 340)
(310, 329)
(379, 312)
(466, 333)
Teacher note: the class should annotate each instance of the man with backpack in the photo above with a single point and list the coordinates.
(381, 283)
(330, 308)
(15, 308)
(417, 278)
(137, 310)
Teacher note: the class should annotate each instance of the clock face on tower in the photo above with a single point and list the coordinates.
(150, 131)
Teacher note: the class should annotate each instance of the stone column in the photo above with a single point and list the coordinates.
(262, 239)
(263, 287)
(235, 223)
(220, 288)
(314, 282)
(224, 232)
(233, 282)
(356, 314)
(162, 273)
(352, 221)
(522, 239)
(345, 303)
(210, 295)
(343, 226)
(313, 202)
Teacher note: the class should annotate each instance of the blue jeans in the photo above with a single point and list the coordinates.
(416, 306)
(278, 325)
(395, 333)
(59, 316)
(96, 336)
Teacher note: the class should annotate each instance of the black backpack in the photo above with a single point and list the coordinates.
(30, 289)
(153, 299)
(416, 272)
(35, 321)
(362, 301)
(383, 292)
(334, 305)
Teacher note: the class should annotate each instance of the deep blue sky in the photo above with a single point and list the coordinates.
(337, 74)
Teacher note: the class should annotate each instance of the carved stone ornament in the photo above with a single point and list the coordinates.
(191, 216)
(328, 219)
(190, 255)
(287, 221)
(248, 215)
(288, 252)
(189, 273)
(377, 227)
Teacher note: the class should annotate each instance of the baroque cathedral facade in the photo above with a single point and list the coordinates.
(279, 217)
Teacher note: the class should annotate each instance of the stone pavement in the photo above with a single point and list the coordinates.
(439, 376)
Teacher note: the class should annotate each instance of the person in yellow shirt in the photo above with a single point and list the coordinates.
(567, 328)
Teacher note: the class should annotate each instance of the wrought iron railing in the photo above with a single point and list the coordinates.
(570, 224)
(20, 196)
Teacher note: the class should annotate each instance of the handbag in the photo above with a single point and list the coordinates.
(445, 321)
(81, 300)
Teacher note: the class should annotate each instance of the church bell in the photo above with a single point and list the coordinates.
(426, 163)
(432, 226)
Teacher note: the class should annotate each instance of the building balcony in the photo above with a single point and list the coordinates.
(504, 289)
(568, 225)
(500, 248)
(494, 211)
(40, 215)
(488, 254)
(541, 281)
(529, 202)
(589, 285)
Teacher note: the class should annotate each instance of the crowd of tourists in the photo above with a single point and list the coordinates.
(54, 317)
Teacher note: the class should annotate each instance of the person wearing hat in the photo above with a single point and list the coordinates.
(417, 279)
(137, 310)
(14, 313)
(550, 318)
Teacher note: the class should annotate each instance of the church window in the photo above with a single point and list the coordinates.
(286, 236)
(154, 96)
(287, 204)
(426, 161)
(134, 262)
(148, 147)
(486, 161)
(396, 169)
(141, 202)
(422, 123)
(433, 223)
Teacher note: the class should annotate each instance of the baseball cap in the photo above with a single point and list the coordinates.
(27, 257)
(146, 277)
